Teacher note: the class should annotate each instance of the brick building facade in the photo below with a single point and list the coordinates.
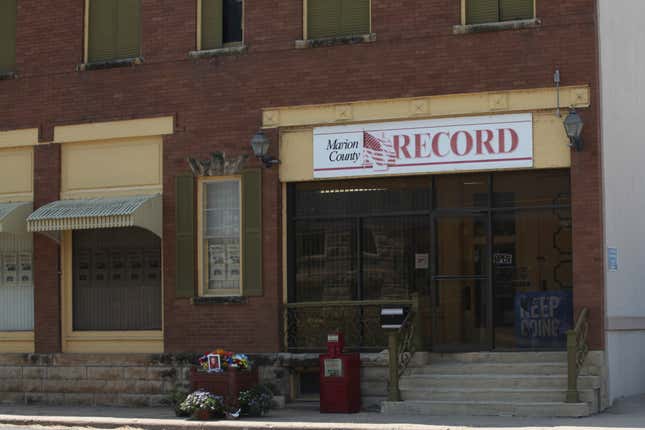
(218, 101)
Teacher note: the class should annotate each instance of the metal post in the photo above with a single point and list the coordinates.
(394, 395)
(572, 367)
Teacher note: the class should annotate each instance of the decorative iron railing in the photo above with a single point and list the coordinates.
(308, 323)
(577, 350)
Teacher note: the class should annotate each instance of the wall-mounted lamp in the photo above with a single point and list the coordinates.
(260, 145)
(573, 126)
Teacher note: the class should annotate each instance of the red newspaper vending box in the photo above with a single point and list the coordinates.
(340, 378)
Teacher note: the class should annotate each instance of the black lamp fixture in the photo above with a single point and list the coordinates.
(573, 126)
(260, 145)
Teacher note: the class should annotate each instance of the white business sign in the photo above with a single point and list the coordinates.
(425, 146)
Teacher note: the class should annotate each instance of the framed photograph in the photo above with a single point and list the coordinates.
(214, 363)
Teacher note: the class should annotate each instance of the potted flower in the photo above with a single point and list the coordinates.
(255, 402)
(203, 405)
(224, 372)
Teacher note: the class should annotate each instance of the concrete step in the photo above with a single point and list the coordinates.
(497, 381)
(473, 408)
(494, 395)
(545, 368)
(423, 358)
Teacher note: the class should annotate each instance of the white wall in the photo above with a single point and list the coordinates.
(622, 70)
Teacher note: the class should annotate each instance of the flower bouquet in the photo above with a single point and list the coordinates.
(203, 405)
(225, 373)
(220, 360)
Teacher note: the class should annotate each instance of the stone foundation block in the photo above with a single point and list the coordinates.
(12, 397)
(135, 373)
(34, 372)
(10, 372)
(105, 373)
(66, 373)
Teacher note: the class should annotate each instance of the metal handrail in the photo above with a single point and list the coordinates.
(577, 350)
(401, 349)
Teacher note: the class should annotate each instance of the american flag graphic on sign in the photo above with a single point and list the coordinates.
(379, 151)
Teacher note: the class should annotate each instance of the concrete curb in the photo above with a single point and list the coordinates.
(178, 424)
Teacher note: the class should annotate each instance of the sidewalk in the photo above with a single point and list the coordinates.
(625, 414)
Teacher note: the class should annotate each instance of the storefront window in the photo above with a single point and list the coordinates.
(117, 279)
(16, 282)
(481, 263)
(221, 237)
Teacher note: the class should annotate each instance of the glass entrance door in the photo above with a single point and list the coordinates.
(461, 282)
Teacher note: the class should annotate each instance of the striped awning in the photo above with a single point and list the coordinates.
(135, 211)
(13, 216)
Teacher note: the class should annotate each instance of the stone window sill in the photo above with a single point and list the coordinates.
(227, 50)
(212, 300)
(339, 40)
(110, 64)
(7, 75)
(497, 26)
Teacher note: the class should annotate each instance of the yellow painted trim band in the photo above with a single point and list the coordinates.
(16, 138)
(17, 342)
(529, 100)
(114, 129)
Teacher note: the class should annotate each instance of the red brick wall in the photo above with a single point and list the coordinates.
(46, 254)
(217, 104)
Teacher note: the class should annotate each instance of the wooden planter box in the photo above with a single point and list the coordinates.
(227, 384)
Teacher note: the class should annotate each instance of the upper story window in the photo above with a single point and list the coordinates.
(486, 11)
(334, 18)
(7, 35)
(220, 23)
(114, 29)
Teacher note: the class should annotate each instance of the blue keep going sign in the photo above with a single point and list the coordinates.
(543, 318)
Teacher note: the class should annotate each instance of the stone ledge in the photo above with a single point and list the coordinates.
(109, 64)
(204, 300)
(339, 40)
(227, 50)
(497, 26)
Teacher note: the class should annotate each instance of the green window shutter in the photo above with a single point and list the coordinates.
(355, 17)
(482, 11)
(128, 31)
(185, 236)
(102, 31)
(515, 9)
(7, 35)
(323, 18)
(212, 24)
(252, 237)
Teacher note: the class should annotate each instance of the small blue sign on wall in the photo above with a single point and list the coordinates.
(542, 318)
(612, 259)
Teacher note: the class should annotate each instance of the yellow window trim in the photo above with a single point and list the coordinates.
(18, 138)
(198, 33)
(464, 14)
(114, 129)
(86, 31)
(200, 235)
(305, 23)
(17, 342)
(494, 102)
(144, 341)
